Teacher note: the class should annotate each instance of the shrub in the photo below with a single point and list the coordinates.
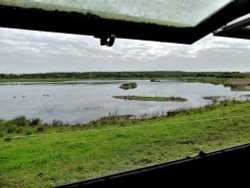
(7, 139)
(19, 121)
(57, 123)
(40, 129)
(19, 130)
(11, 129)
(127, 86)
(28, 133)
(34, 122)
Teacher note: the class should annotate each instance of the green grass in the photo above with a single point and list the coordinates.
(49, 160)
(126, 86)
(148, 98)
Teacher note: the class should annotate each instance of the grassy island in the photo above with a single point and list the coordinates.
(126, 86)
(156, 99)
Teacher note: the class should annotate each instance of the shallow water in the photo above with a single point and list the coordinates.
(83, 101)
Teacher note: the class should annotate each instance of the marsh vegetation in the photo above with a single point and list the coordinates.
(148, 98)
(129, 85)
(117, 144)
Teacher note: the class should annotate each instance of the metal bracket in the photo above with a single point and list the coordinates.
(107, 41)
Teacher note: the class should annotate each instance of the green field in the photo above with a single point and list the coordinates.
(49, 160)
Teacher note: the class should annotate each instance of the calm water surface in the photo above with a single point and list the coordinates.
(84, 101)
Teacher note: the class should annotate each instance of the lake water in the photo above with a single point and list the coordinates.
(84, 101)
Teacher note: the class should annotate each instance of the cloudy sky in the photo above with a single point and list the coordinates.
(31, 52)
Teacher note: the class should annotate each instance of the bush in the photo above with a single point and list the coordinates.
(19, 121)
(133, 85)
(7, 139)
(28, 133)
(19, 130)
(34, 122)
(127, 86)
(57, 122)
(11, 129)
(40, 129)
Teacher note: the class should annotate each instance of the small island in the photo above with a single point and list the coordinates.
(245, 95)
(154, 80)
(213, 98)
(156, 99)
(126, 86)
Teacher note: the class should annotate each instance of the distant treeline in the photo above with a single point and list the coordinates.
(124, 75)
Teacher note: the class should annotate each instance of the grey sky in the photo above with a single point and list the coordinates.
(29, 51)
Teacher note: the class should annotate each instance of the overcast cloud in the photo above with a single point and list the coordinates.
(31, 52)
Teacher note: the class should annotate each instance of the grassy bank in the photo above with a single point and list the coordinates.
(148, 98)
(237, 84)
(49, 160)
